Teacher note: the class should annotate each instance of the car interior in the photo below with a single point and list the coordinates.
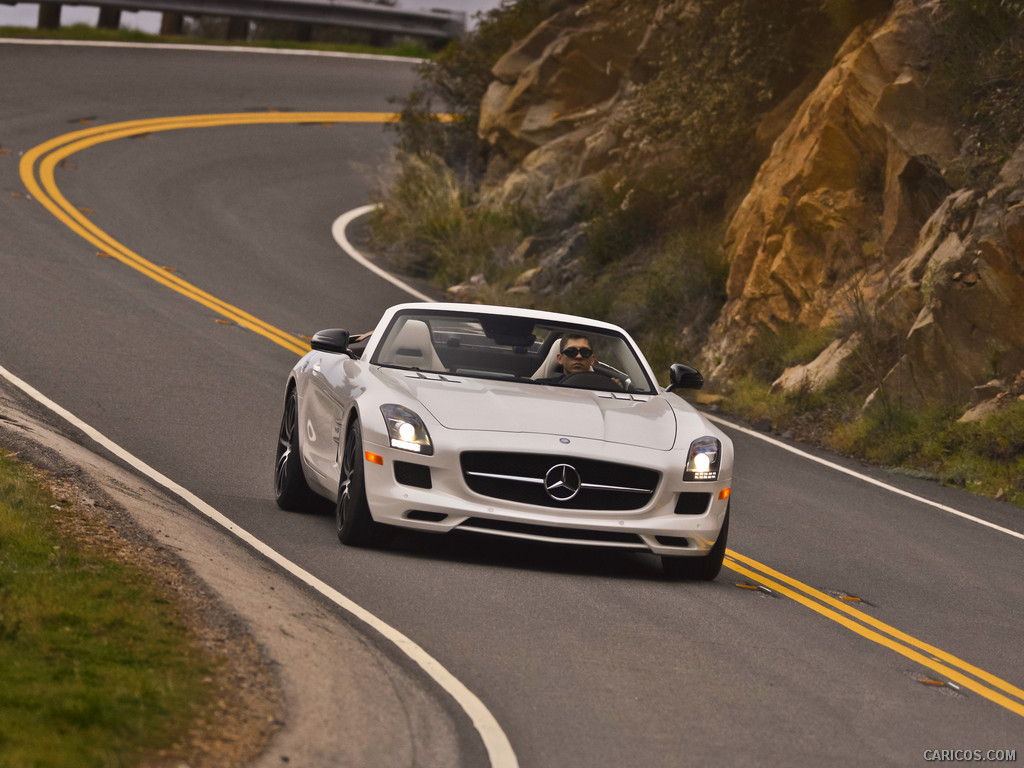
(503, 347)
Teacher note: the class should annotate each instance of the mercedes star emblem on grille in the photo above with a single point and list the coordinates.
(562, 482)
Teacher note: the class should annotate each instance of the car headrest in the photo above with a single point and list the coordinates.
(412, 347)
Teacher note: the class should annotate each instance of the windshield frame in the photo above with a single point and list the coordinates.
(602, 336)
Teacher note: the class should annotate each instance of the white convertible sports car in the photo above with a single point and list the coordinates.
(507, 422)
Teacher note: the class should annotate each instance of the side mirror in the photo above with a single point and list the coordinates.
(684, 377)
(333, 340)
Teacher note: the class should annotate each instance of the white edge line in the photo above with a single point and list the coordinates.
(865, 478)
(213, 48)
(339, 234)
(499, 749)
(338, 231)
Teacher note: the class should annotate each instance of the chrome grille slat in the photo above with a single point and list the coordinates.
(508, 477)
(621, 488)
(594, 486)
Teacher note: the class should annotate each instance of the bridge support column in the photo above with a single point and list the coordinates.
(49, 15)
(172, 24)
(238, 29)
(110, 18)
(381, 39)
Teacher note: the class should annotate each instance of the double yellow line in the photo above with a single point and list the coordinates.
(37, 172)
(948, 666)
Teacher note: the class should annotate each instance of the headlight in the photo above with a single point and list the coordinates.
(703, 460)
(406, 430)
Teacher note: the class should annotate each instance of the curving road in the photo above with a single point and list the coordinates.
(853, 625)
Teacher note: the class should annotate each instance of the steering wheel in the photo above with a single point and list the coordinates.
(591, 380)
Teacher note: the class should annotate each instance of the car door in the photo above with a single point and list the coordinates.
(328, 398)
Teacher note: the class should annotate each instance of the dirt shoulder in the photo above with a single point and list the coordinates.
(301, 684)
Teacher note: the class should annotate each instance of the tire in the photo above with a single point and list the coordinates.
(355, 525)
(704, 568)
(290, 488)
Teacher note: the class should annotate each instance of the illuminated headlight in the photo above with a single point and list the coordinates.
(703, 460)
(406, 430)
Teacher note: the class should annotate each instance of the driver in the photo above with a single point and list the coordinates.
(575, 354)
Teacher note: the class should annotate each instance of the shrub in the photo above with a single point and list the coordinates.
(979, 75)
(429, 225)
(983, 457)
(626, 215)
(776, 348)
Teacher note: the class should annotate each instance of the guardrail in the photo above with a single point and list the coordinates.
(377, 17)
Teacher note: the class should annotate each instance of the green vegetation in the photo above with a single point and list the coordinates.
(984, 457)
(86, 32)
(83, 32)
(430, 212)
(97, 668)
(650, 234)
(980, 76)
(668, 292)
(433, 223)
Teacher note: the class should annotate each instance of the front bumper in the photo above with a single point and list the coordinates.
(448, 504)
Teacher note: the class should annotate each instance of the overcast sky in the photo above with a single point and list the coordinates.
(27, 14)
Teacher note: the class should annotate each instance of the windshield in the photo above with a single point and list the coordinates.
(512, 348)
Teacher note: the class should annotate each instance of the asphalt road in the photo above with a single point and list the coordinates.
(586, 658)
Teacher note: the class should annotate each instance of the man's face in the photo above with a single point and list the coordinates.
(577, 356)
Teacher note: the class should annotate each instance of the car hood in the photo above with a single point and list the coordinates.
(478, 404)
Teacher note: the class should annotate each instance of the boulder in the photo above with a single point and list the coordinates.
(841, 199)
(552, 110)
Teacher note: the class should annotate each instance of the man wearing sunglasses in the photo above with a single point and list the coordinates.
(576, 355)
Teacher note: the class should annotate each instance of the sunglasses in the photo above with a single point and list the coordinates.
(571, 352)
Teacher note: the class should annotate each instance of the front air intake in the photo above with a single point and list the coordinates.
(424, 516)
(416, 475)
(692, 503)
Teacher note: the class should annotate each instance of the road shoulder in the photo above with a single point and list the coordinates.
(304, 685)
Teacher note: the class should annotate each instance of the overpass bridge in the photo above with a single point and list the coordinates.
(380, 17)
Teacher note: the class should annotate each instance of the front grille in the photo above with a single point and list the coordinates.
(559, 482)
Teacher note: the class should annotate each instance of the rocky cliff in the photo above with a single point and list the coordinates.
(851, 222)
(850, 215)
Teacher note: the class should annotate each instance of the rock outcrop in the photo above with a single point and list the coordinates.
(967, 275)
(557, 96)
(849, 223)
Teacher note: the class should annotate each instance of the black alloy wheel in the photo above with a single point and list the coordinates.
(290, 488)
(354, 523)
